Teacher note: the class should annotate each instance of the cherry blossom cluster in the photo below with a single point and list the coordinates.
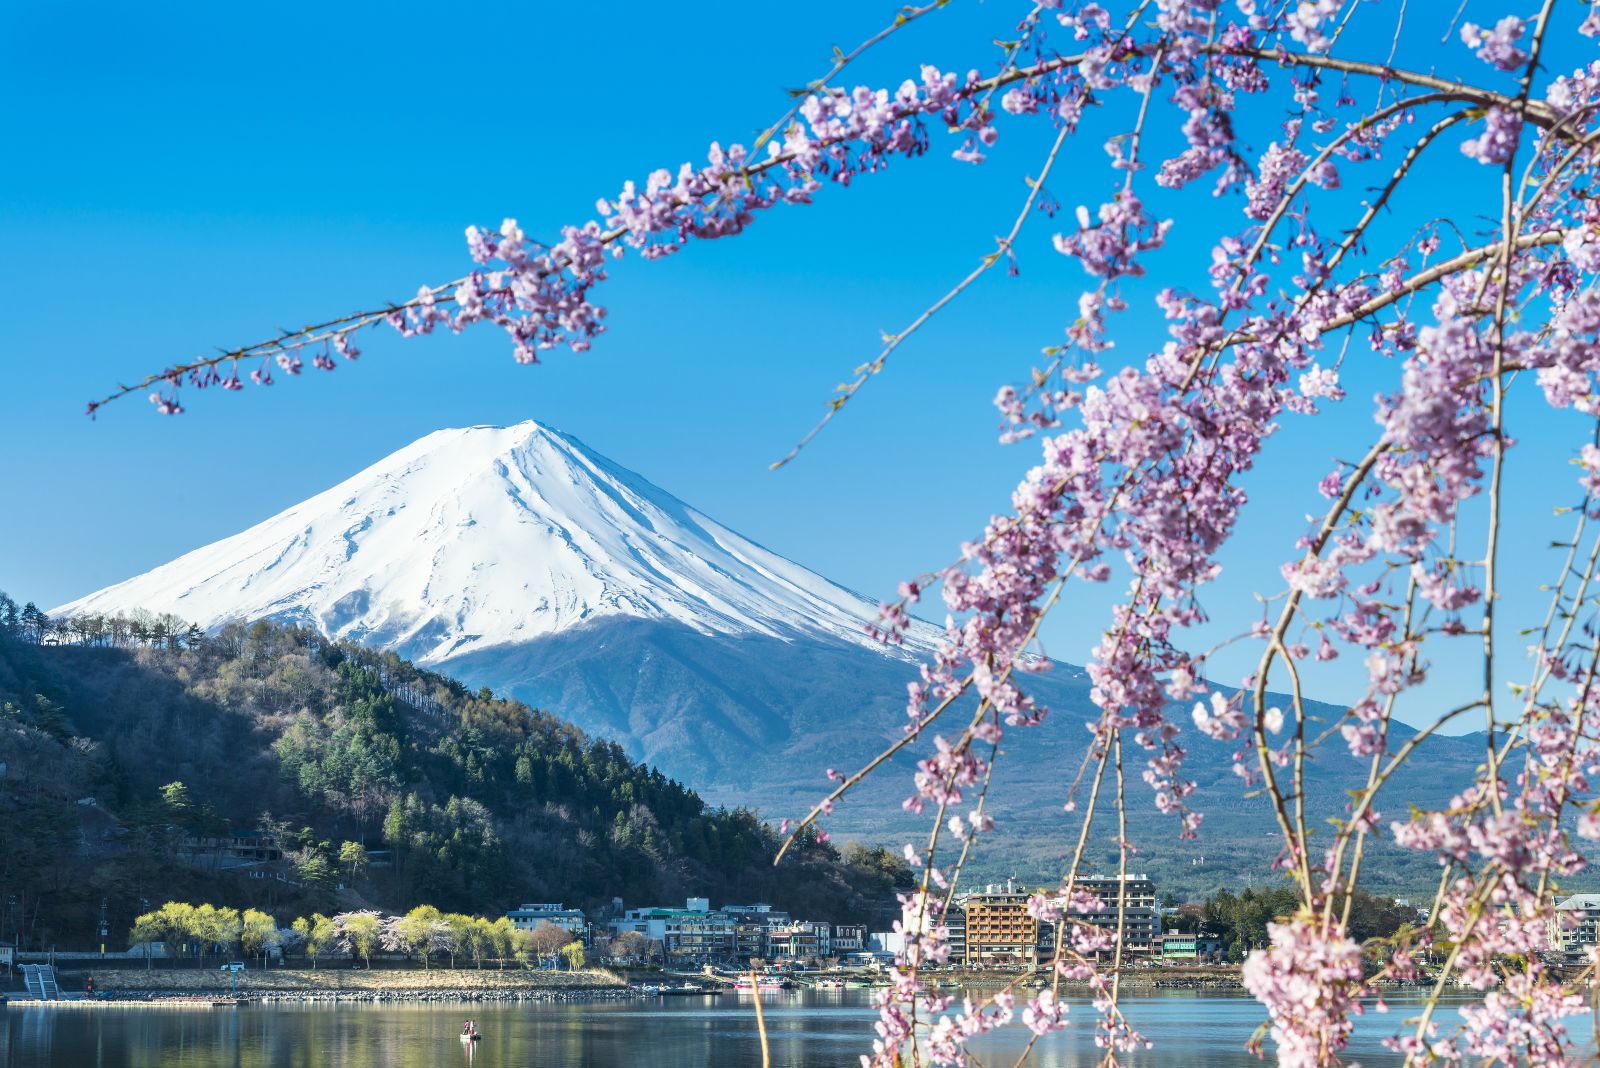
(1311, 981)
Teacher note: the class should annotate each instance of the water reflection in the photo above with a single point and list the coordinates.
(806, 1030)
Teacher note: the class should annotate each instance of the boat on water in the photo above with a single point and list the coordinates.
(830, 984)
(672, 988)
(473, 1037)
(763, 982)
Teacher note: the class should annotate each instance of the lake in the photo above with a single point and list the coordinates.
(807, 1029)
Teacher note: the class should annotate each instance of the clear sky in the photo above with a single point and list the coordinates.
(182, 176)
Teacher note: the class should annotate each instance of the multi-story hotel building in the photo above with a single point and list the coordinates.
(996, 929)
(1141, 916)
(999, 932)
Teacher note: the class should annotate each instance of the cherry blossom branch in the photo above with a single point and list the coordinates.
(905, 17)
(867, 371)
(334, 330)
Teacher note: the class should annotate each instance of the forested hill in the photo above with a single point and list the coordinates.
(462, 800)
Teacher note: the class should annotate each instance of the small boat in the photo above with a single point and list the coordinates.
(765, 982)
(830, 984)
(473, 1036)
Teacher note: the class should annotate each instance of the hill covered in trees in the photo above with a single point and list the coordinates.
(380, 784)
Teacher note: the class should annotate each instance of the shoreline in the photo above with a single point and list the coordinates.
(184, 986)
(179, 987)
(333, 997)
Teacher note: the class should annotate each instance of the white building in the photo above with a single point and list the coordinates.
(693, 932)
(527, 917)
(848, 938)
(1579, 926)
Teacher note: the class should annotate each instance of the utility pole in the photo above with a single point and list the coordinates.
(105, 929)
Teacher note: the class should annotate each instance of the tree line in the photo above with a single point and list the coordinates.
(1240, 920)
(115, 630)
(421, 935)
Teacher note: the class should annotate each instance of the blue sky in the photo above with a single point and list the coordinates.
(183, 176)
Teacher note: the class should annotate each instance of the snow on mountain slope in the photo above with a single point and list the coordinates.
(475, 538)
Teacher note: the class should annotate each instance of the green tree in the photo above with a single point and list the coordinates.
(363, 930)
(177, 802)
(215, 927)
(316, 870)
(463, 933)
(476, 939)
(573, 954)
(318, 935)
(522, 947)
(35, 624)
(176, 922)
(353, 859)
(419, 931)
(258, 934)
(50, 717)
(146, 929)
(302, 929)
(501, 937)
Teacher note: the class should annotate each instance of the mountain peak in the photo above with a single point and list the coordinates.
(476, 537)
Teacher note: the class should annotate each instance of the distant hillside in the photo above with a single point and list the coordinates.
(463, 800)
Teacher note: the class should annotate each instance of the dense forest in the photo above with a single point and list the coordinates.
(126, 744)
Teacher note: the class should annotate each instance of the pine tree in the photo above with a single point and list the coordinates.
(34, 623)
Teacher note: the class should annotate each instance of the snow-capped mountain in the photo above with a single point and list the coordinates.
(487, 537)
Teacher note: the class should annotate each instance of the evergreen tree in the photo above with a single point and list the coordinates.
(35, 624)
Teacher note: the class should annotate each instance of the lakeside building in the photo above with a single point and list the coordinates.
(876, 960)
(1196, 947)
(1135, 897)
(697, 933)
(1000, 932)
(1577, 932)
(751, 937)
(891, 943)
(955, 925)
(848, 938)
(993, 928)
(527, 917)
(693, 933)
(797, 941)
(754, 927)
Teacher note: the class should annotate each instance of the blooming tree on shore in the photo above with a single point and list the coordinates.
(1136, 464)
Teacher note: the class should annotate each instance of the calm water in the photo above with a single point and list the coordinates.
(809, 1029)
